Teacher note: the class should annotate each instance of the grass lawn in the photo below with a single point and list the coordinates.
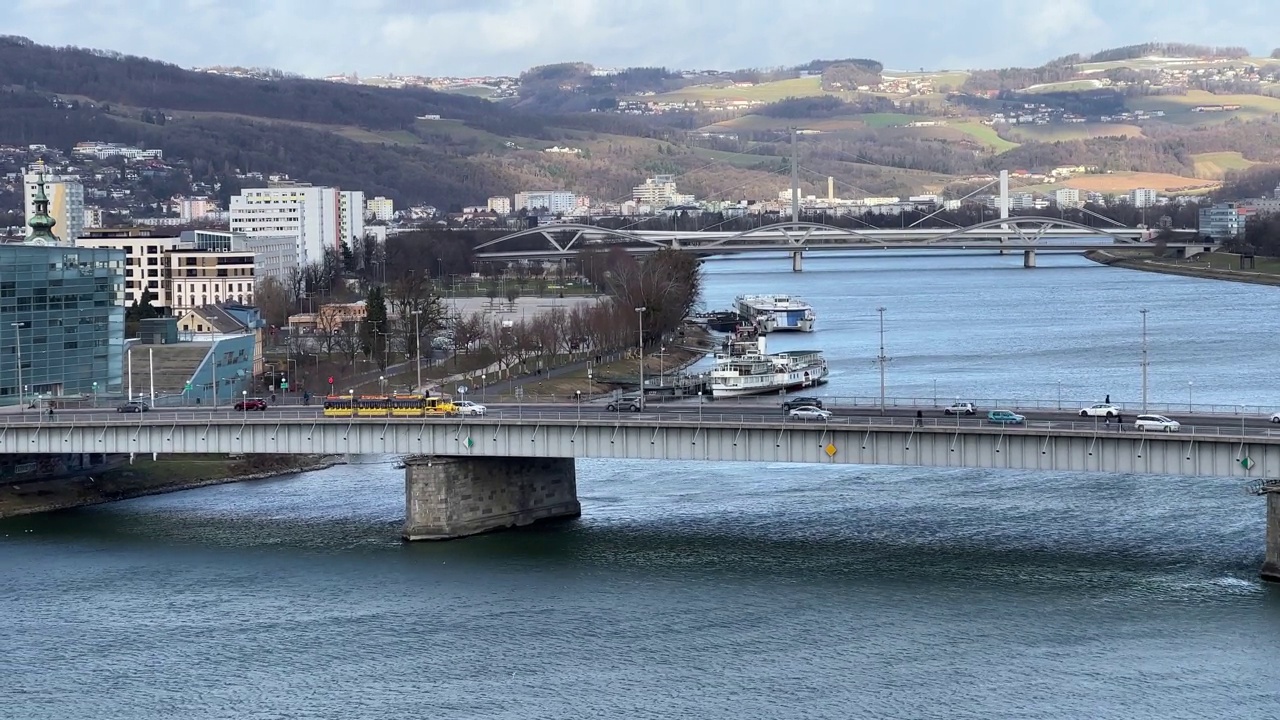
(764, 92)
(1064, 86)
(1178, 107)
(1226, 261)
(984, 134)
(1214, 165)
(1073, 131)
(1120, 182)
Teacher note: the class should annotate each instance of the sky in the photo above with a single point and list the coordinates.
(504, 37)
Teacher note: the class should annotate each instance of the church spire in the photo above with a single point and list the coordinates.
(40, 222)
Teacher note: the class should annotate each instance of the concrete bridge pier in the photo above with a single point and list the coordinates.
(1028, 258)
(453, 497)
(1271, 565)
(797, 261)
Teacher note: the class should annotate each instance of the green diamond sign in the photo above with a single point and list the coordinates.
(1247, 463)
(469, 442)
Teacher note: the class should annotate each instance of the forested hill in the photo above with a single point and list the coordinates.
(117, 79)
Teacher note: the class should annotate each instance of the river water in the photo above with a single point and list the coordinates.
(713, 590)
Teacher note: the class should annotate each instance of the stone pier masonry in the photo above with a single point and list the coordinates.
(453, 497)
(1271, 565)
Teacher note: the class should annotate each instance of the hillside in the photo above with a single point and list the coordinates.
(1141, 120)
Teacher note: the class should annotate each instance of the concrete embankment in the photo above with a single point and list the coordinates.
(148, 477)
(1190, 269)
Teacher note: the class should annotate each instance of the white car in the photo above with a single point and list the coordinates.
(1100, 410)
(466, 407)
(1275, 417)
(1156, 422)
(960, 408)
(808, 412)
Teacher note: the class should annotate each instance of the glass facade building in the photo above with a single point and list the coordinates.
(61, 321)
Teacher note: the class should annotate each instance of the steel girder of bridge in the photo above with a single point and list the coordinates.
(1021, 233)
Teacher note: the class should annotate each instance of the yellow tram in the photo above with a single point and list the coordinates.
(389, 406)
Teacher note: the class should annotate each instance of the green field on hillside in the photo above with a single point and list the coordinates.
(1215, 165)
(1073, 131)
(1177, 108)
(763, 92)
(984, 134)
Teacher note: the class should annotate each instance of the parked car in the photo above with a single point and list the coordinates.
(1275, 417)
(798, 402)
(1100, 410)
(251, 404)
(466, 407)
(632, 403)
(1005, 417)
(809, 412)
(960, 408)
(1156, 422)
(135, 406)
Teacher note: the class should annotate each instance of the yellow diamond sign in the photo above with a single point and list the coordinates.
(831, 450)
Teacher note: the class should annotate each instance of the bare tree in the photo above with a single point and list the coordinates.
(272, 298)
(501, 337)
(467, 331)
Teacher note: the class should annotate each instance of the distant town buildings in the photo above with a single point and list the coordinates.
(1066, 197)
(500, 204)
(554, 201)
(1225, 220)
(1143, 197)
(105, 150)
(660, 191)
(195, 208)
(380, 208)
(317, 217)
(66, 202)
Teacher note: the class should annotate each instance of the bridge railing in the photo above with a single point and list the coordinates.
(65, 421)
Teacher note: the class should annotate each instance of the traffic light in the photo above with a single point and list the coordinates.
(330, 379)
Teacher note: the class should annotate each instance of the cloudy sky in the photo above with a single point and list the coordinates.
(468, 37)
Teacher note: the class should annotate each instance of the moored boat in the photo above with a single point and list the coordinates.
(747, 368)
(774, 313)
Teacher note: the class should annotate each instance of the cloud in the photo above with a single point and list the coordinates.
(464, 37)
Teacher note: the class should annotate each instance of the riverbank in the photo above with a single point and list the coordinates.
(1201, 266)
(151, 477)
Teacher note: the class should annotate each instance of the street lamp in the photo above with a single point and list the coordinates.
(417, 344)
(382, 384)
(17, 341)
(577, 395)
(244, 401)
(1059, 394)
(640, 314)
(1189, 384)
(881, 359)
(1144, 359)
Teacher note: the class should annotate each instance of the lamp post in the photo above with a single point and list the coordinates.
(1059, 394)
(17, 341)
(577, 395)
(417, 344)
(244, 401)
(382, 384)
(881, 359)
(1144, 359)
(1189, 384)
(640, 315)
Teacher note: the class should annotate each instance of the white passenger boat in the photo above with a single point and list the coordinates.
(774, 313)
(746, 368)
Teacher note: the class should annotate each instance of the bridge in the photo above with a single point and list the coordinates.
(1027, 234)
(515, 466)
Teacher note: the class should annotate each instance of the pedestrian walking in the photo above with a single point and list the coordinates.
(1108, 400)
(919, 418)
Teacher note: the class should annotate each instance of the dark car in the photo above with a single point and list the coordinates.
(251, 404)
(626, 402)
(795, 402)
(135, 406)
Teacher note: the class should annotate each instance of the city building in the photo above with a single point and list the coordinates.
(1225, 220)
(553, 201)
(1066, 197)
(105, 150)
(1142, 198)
(65, 196)
(63, 328)
(317, 217)
(500, 204)
(144, 265)
(94, 217)
(380, 208)
(274, 255)
(200, 268)
(195, 208)
(659, 191)
(203, 277)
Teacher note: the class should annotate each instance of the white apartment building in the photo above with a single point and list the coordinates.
(380, 208)
(66, 202)
(1066, 197)
(555, 201)
(500, 204)
(659, 191)
(1144, 197)
(195, 208)
(94, 217)
(144, 265)
(209, 277)
(317, 217)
